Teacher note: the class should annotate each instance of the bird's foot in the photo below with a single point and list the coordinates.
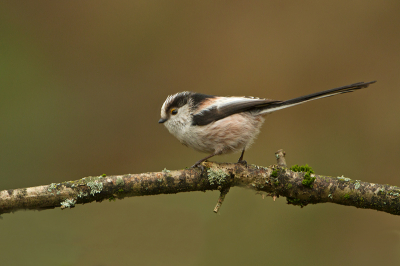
(243, 162)
(200, 166)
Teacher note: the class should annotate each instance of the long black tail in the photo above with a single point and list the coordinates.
(314, 96)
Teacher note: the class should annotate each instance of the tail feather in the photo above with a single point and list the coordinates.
(314, 96)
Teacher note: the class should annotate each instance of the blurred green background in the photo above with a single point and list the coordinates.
(81, 86)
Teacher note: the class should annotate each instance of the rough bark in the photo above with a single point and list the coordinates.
(276, 180)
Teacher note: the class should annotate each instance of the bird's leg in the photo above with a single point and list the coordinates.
(198, 163)
(241, 161)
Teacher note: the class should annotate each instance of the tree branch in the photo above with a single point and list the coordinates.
(300, 188)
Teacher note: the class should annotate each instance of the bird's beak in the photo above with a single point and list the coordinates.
(162, 120)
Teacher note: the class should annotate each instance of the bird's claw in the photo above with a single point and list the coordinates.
(243, 162)
(198, 165)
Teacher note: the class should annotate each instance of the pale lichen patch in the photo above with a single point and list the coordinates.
(394, 193)
(343, 178)
(216, 176)
(95, 187)
(52, 187)
(68, 203)
(120, 181)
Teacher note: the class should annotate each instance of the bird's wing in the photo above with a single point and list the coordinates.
(221, 107)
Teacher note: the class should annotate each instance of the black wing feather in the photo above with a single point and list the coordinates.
(214, 114)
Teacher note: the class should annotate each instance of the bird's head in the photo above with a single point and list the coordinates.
(176, 110)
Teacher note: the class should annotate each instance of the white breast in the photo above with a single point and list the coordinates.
(228, 135)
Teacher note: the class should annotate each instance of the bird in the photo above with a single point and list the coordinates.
(220, 125)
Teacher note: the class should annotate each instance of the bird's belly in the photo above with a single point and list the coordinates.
(228, 135)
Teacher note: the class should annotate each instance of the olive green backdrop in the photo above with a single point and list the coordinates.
(81, 86)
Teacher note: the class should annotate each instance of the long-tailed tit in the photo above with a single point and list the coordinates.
(219, 125)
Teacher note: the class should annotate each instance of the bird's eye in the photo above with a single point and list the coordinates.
(174, 111)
